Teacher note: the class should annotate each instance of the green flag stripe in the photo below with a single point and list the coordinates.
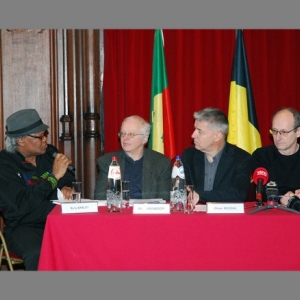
(159, 74)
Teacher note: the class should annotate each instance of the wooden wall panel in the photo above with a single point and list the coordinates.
(26, 72)
(79, 102)
(91, 104)
(57, 72)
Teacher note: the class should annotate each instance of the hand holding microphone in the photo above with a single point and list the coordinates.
(60, 165)
(61, 162)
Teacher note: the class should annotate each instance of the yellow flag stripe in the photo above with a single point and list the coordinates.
(158, 126)
(241, 132)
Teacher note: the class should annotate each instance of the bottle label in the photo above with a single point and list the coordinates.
(178, 172)
(114, 172)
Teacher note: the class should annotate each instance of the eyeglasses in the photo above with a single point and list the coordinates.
(281, 132)
(45, 134)
(130, 134)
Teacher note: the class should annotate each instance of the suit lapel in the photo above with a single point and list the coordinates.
(224, 164)
(199, 165)
(147, 172)
(121, 161)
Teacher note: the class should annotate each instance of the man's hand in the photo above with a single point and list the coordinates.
(60, 165)
(67, 192)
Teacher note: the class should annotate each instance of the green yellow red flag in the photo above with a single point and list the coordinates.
(162, 138)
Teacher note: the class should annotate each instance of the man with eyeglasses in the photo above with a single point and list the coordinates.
(148, 171)
(29, 179)
(282, 159)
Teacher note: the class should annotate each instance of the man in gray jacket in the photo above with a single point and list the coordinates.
(148, 171)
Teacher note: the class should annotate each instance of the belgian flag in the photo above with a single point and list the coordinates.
(243, 127)
(162, 138)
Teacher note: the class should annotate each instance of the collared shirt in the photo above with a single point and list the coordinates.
(210, 170)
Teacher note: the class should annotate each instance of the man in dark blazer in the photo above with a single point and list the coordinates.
(148, 171)
(219, 171)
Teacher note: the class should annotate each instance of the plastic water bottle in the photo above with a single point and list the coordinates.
(114, 187)
(178, 191)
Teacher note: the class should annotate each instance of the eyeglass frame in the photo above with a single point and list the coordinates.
(281, 132)
(45, 134)
(130, 134)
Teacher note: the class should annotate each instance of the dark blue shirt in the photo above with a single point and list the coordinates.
(133, 173)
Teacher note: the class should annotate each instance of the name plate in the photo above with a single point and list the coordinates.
(81, 207)
(221, 208)
(148, 208)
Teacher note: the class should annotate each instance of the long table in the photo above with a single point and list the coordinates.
(103, 241)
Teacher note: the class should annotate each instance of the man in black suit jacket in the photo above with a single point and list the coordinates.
(219, 171)
(148, 171)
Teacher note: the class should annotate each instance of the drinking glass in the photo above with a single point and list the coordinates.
(76, 191)
(189, 204)
(125, 192)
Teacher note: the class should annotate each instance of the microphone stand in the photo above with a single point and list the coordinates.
(273, 200)
(270, 204)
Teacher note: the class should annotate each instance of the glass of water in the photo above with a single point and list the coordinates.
(76, 191)
(189, 203)
(125, 192)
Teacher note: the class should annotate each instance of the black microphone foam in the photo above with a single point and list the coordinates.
(51, 151)
(260, 178)
(259, 186)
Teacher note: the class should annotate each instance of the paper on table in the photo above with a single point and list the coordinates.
(61, 199)
(71, 201)
(200, 207)
(140, 201)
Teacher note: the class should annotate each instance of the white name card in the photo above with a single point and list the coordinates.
(79, 207)
(148, 208)
(221, 208)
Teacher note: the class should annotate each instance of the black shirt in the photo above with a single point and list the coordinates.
(283, 169)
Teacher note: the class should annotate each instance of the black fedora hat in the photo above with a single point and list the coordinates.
(24, 122)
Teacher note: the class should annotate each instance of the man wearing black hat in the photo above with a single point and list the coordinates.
(29, 178)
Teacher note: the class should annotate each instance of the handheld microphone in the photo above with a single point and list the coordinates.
(260, 178)
(51, 151)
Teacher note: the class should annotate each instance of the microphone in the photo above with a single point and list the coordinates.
(52, 151)
(260, 178)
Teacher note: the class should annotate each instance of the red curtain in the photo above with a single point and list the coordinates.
(199, 66)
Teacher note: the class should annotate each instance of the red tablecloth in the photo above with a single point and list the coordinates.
(266, 240)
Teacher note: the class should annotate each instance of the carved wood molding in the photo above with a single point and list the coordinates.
(66, 134)
(91, 125)
(24, 30)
